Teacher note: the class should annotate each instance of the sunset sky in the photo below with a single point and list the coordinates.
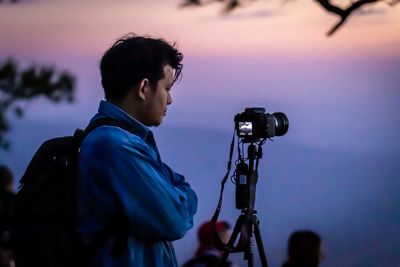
(264, 28)
(337, 169)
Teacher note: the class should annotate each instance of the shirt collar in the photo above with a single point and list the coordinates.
(107, 109)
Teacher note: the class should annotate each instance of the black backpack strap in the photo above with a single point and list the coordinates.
(114, 226)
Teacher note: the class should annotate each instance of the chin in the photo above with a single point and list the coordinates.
(157, 123)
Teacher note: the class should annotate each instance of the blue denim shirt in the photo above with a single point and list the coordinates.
(119, 169)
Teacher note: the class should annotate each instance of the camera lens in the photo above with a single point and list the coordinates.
(281, 123)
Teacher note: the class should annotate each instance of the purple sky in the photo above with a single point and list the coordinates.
(337, 169)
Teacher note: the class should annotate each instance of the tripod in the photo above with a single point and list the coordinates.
(247, 225)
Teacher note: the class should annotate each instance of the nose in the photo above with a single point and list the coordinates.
(169, 99)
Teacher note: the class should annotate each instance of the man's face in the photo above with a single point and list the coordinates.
(160, 98)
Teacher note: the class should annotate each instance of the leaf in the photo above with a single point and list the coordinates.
(19, 112)
(8, 73)
(5, 145)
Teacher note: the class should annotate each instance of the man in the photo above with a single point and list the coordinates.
(121, 178)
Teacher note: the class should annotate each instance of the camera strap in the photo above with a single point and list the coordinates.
(218, 242)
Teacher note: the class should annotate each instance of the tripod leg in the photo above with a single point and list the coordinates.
(232, 239)
(260, 245)
(249, 252)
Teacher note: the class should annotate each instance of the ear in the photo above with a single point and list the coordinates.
(144, 86)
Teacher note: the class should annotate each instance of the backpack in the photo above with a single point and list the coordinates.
(43, 219)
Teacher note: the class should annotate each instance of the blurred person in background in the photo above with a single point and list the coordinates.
(304, 250)
(207, 255)
(7, 197)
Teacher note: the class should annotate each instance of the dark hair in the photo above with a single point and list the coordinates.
(6, 177)
(133, 58)
(304, 248)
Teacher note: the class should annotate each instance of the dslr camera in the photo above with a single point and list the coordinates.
(254, 124)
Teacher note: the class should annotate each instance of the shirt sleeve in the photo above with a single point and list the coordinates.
(157, 208)
(179, 182)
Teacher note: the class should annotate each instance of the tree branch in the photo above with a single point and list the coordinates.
(28, 84)
(342, 13)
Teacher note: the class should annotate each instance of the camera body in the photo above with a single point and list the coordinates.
(255, 124)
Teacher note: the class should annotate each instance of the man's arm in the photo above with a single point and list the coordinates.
(156, 208)
(179, 182)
